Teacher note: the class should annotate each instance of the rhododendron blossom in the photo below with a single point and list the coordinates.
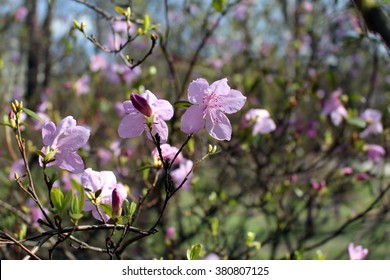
(335, 108)
(373, 120)
(107, 183)
(357, 253)
(178, 175)
(210, 104)
(135, 121)
(261, 121)
(167, 152)
(65, 140)
(375, 152)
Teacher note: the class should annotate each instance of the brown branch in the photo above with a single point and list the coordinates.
(375, 19)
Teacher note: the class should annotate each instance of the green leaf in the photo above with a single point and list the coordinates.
(33, 114)
(120, 11)
(182, 104)
(132, 208)
(57, 198)
(357, 122)
(214, 226)
(98, 193)
(219, 5)
(107, 208)
(67, 200)
(75, 216)
(193, 253)
(146, 23)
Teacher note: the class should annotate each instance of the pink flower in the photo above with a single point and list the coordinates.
(97, 63)
(210, 104)
(18, 167)
(81, 86)
(21, 13)
(261, 121)
(170, 233)
(135, 122)
(318, 185)
(118, 73)
(178, 175)
(334, 107)
(211, 257)
(346, 171)
(168, 152)
(106, 182)
(357, 253)
(362, 176)
(65, 140)
(375, 152)
(373, 120)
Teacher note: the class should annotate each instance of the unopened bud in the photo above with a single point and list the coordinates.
(117, 201)
(141, 104)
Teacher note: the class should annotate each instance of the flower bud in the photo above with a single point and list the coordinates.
(117, 201)
(141, 104)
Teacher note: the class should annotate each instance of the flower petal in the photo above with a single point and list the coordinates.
(160, 127)
(131, 126)
(48, 133)
(220, 87)
(218, 125)
(197, 90)
(233, 102)
(192, 120)
(163, 108)
(129, 108)
(149, 96)
(74, 138)
(69, 161)
(264, 126)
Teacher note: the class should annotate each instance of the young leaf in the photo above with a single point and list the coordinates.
(146, 23)
(33, 115)
(107, 208)
(357, 122)
(219, 5)
(57, 198)
(120, 11)
(182, 104)
(193, 253)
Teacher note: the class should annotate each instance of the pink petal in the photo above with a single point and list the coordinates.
(161, 128)
(197, 90)
(233, 102)
(221, 87)
(70, 161)
(218, 125)
(149, 96)
(129, 108)
(48, 135)
(164, 109)
(131, 126)
(74, 138)
(264, 126)
(192, 120)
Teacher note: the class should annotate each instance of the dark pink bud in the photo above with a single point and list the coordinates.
(141, 104)
(117, 201)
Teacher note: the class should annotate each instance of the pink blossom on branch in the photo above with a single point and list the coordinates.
(261, 121)
(375, 152)
(357, 253)
(210, 104)
(335, 108)
(152, 110)
(373, 120)
(65, 140)
(107, 183)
